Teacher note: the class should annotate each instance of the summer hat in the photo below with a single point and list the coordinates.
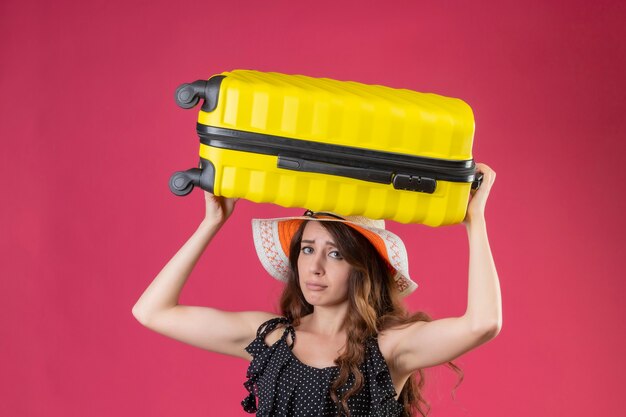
(272, 238)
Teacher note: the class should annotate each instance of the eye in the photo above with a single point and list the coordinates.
(307, 250)
(335, 254)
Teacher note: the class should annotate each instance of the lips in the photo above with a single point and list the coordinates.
(312, 286)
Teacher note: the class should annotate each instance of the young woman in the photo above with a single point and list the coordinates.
(344, 345)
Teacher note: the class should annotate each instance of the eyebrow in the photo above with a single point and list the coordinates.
(328, 242)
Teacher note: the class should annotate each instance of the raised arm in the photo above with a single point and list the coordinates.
(425, 344)
(204, 327)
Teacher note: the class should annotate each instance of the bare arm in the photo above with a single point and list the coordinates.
(204, 327)
(424, 344)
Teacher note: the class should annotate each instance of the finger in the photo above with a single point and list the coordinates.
(489, 175)
(229, 203)
(209, 195)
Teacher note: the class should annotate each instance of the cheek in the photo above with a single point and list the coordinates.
(345, 278)
(303, 262)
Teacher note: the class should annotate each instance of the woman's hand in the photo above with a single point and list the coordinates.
(478, 198)
(218, 209)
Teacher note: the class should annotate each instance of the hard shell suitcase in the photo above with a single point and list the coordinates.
(328, 145)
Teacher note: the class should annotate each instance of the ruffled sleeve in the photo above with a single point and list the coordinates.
(382, 392)
(261, 354)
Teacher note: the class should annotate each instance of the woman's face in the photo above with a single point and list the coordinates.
(322, 270)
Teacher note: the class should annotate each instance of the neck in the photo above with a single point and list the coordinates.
(326, 320)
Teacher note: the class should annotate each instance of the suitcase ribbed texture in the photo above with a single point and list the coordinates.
(345, 113)
(340, 113)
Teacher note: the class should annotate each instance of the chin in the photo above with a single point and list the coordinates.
(317, 301)
(313, 300)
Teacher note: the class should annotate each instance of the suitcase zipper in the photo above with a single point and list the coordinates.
(405, 172)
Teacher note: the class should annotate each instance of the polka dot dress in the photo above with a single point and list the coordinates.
(280, 385)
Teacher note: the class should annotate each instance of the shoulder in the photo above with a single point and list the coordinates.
(257, 320)
(270, 327)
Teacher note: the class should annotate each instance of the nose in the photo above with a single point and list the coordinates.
(316, 266)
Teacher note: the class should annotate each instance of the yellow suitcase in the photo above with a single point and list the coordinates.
(327, 145)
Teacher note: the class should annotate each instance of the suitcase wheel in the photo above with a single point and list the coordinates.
(182, 182)
(188, 95)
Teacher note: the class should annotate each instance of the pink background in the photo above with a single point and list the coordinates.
(90, 135)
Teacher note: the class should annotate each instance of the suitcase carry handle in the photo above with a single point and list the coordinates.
(399, 181)
(304, 165)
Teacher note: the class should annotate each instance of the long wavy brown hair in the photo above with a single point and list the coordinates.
(375, 305)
